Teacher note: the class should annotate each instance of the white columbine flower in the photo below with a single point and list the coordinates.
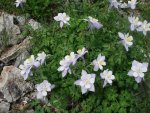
(82, 52)
(114, 3)
(93, 23)
(27, 66)
(86, 82)
(145, 26)
(41, 57)
(99, 62)
(66, 62)
(72, 58)
(137, 70)
(25, 70)
(135, 23)
(19, 2)
(32, 62)
(132, 4)
(43, 88)
(62, 18)
(126, 40)
(107, 76)
(64, 67)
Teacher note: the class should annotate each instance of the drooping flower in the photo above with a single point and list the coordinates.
(137, 70)
(99, 62)
(135, 23)
(132, 4)
(27, 65)
(43, 88)
(19, 3)
(41, 57)
(72, 58)
(145, 27)
(126, 40)
(64, 67)
(107, 76)
(32, 61)
(62, 18)
(82, 52)
(25, 70)
(114, 3)
(86, 82)
(93, 23)
(66, 62)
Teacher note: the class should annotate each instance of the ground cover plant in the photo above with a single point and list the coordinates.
(117, 46)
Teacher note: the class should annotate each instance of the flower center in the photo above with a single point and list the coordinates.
(128, 39)
(87, 81)
(101, 62)
(94, 20)
(79, 51)
(109, 76)
(138, 70)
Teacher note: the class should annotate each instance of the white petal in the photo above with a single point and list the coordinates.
(61, 24)
(83, 90)
(36, 64)
(96, 68)
(92, 80)
(105, 82)
(87, 86)
(134, 63)
(126, 47)
(93, 76)
(130, 73)
(92, 88)
(135, 74)
(44, 93)
(56, 18)
(121, 35)
(39, 95)
(77, 82)
(82, 83)
(64, 73)
(138, 79)
(84, 72)
(109, 81)
(144, 66)
(132, 27)
(25, 76)
(61, 68)
(141, 75)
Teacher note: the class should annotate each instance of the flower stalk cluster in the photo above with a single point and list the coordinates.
(70, 60)
(30, 63)
(131, 4)
(138, 25)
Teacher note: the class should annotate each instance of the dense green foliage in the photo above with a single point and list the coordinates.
(125, 95)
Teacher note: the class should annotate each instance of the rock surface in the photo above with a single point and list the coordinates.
(35, 25)
(30, 111)
(14, 51)
(12, 85)
(4, 107)
(10, 34)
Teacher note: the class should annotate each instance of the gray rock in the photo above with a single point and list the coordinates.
(4, 107)
(21, 58)
(10, 33)
(30, 111)
(21, 20)
(12, 84)
(35, 25)
(1, 97)
(15, 51)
